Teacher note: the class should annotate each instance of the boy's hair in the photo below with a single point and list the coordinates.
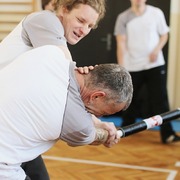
(98, 5)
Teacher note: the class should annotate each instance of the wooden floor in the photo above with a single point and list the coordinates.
(137, 157)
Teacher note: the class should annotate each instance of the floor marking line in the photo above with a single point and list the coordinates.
(177, 163)
(171, 176)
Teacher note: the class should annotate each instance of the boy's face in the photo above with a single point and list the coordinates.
(78, 22)
(138, 2)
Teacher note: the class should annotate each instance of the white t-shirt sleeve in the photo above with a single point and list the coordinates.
(43, 28)
(162, 25)
(120, 26)
(77, 128)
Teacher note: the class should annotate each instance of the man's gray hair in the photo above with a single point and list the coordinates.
(113, 79)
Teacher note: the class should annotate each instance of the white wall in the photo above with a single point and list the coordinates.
(12, 12)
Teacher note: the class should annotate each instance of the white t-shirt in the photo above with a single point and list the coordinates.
(143, 33)
(36, 94)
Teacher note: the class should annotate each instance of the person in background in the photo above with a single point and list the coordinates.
(141, 33)
(70, 21)
(53, 103)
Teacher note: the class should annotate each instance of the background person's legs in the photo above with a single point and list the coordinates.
(158, 99)
(36, 169)
(129, 116)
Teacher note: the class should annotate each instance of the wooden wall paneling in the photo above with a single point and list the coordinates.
(12, 12)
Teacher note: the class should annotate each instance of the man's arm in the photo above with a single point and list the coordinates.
(121, 48)
(101, 136)
(162, 41)
(106, 133)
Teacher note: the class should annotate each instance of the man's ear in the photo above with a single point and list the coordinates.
(97, 95)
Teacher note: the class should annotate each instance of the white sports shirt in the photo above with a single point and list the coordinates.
(40, 103)
(143, 33)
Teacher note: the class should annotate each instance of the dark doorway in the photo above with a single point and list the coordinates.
(100, 46)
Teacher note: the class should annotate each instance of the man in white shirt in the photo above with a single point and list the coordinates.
(42, 102)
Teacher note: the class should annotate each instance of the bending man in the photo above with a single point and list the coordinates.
(43, 102)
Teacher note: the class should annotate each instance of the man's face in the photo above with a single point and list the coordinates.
(78, 22)
(100, 107)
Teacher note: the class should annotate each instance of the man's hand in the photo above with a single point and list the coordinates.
(106, 128)
(101, 136)
(153, 56)
(112, 137)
